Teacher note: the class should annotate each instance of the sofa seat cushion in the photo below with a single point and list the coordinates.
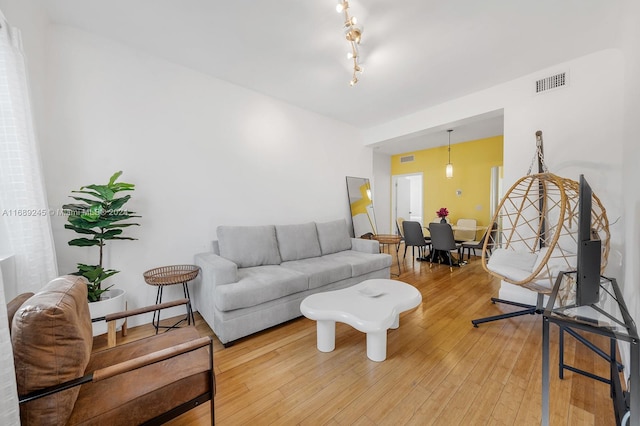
(137, 398)
(298, 241)
(361, 263)
(321, 270)
(52, 340)
(248, 246)
(333, 236)
(258, 285)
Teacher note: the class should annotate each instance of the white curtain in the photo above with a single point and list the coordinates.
(25, 228)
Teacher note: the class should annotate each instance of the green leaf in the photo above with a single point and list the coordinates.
(93, 214)
(118, 217)
(117, 203)
(89, 201)
(92, 193)
(121, 186)
(122, 225)
(81, 222)
(80, 230)
(105, 192)
(76, 207)
(84, 242)
(115, 177)
(110, 234)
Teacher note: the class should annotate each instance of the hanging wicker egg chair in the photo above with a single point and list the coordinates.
(538, 232)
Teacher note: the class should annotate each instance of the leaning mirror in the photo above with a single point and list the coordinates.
(361, 204)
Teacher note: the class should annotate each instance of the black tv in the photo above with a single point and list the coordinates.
(589, 250)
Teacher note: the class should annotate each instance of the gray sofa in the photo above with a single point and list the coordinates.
(256, 276)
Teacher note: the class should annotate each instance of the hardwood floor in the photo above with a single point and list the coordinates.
(439, 370)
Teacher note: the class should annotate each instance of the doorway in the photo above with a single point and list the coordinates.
(406, 198)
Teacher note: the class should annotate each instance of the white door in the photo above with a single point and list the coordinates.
(406, 198)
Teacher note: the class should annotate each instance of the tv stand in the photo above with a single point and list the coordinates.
(608, 317)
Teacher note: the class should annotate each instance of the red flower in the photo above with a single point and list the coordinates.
(443, 212)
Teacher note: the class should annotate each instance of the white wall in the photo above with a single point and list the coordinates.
(202, 153)
(582, 131)
(382, 192)
(631, 156)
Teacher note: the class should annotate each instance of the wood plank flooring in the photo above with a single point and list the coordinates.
(439, 370)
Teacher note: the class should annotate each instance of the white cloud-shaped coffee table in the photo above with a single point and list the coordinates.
(372, 307)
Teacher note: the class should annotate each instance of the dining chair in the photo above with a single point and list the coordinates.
(414, 237)
(442, 242)
(477, 245)
(465, 230)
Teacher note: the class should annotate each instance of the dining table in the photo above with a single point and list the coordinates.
(463, 228)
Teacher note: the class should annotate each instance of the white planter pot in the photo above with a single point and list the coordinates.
(111, 301)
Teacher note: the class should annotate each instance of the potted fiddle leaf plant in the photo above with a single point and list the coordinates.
(99, 217)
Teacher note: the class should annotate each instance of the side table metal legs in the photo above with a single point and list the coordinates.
(172, 275)
(156, 314)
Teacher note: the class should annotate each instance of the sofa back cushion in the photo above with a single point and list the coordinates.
(248, 246)
(14, 305)
(52, 340)
(298, 242)
(333, 236)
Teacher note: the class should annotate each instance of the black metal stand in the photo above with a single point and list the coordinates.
(156, 314)
(609, 318)
(528, 310)
(602, 354)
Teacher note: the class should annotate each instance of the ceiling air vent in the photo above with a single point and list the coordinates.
(553, 82)
(406, 159)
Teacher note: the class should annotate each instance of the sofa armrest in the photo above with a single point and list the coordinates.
(365, 246)
(126, 366)
(216, 270)
(152, 358)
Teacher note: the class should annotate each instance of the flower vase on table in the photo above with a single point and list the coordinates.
(442, 214)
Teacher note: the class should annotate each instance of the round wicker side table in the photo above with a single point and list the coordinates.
(388, 240)
(171, 275)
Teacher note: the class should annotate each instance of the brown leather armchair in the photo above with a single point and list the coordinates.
(61, 381)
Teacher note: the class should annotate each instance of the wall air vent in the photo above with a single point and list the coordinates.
(406, 159)
(553, 82)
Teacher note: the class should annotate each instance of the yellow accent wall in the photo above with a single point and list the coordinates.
(472, 162)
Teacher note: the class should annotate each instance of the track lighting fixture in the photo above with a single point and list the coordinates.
(353, 34)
